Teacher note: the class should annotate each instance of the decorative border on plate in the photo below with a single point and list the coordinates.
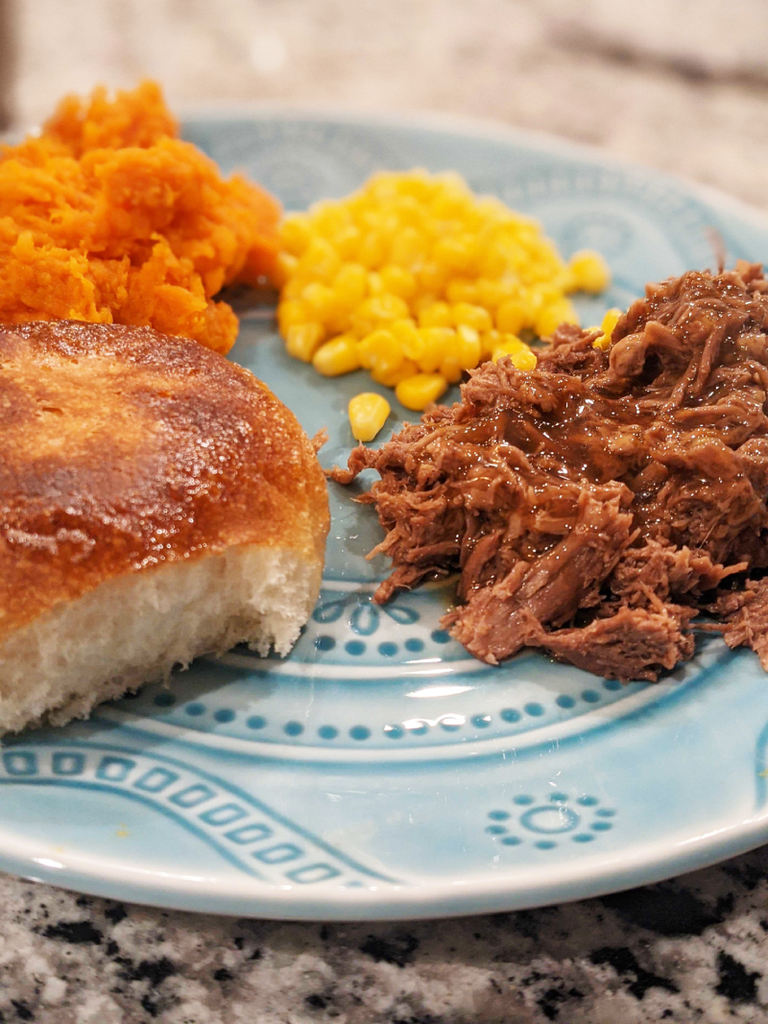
(448, 736)
(547, 821)
(661, 202)
(242, 829)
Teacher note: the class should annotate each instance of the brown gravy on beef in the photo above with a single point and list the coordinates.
(596, 505)
(576, 437)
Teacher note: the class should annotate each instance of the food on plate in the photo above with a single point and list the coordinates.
(420, 390)
(595, 505)
(108, 217)
(156, 503)
(415, 275)
(367, 414)
(607, 325)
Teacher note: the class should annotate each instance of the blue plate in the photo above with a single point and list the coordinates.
(379, 771)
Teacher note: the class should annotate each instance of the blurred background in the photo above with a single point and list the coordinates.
(673, 83)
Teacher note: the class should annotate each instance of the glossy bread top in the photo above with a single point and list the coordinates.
(122, 449)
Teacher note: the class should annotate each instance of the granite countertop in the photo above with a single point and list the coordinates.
(692, 949)
(686, 93)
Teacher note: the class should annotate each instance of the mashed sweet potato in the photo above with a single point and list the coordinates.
(107, 216)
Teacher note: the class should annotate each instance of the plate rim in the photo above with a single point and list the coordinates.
(412, 900)
(489, 128)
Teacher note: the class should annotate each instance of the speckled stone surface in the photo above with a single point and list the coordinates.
(682, 86)
(693, 949)
(689, 950)
(676, 84)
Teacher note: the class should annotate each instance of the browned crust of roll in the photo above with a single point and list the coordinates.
(122, 449)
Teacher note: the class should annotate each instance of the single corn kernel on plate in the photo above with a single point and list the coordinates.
(418, 280)
(367, 415)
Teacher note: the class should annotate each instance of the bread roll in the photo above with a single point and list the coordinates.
(156, 503)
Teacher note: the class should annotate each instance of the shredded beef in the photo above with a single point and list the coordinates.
(746, 618)
(596, 505)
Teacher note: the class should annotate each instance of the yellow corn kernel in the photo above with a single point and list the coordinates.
(290, 313)
(450, 368)
(347, 241)
(387, 307)
(375, 283)
(523, 357)
(490, 340)
(534, 272)
(491, 293)
(295, 233)
(468, 348)
(541, 294)
(436, 343)
(433, 277)
(438, 314)
(285, 268)
(457, 252)
(408, 335)
(337, 356)
(398, 281)
(421, 300)
(380, 351)
(372, 251)
(380, 221)
(545, 251)
(370, 341)
(419, 391)
(320, 300)
(567, 281)
(377, 311)
(494, 263)
(461, 290)
(367, 415)
(491, 207)
(329, 218)
(418, 183)
(392, 377)
(514, 259)
(410, 212)
(351, 284)
(292, 288)
(382, 184)
(549, 318)
(301, 340)
(563, 281)
(512, 316)
(590, 271)
(472, 316)
(319, 261)
(448, 204)
(408, 247)
(610, 320)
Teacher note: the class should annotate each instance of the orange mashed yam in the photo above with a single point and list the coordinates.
(107, 216)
